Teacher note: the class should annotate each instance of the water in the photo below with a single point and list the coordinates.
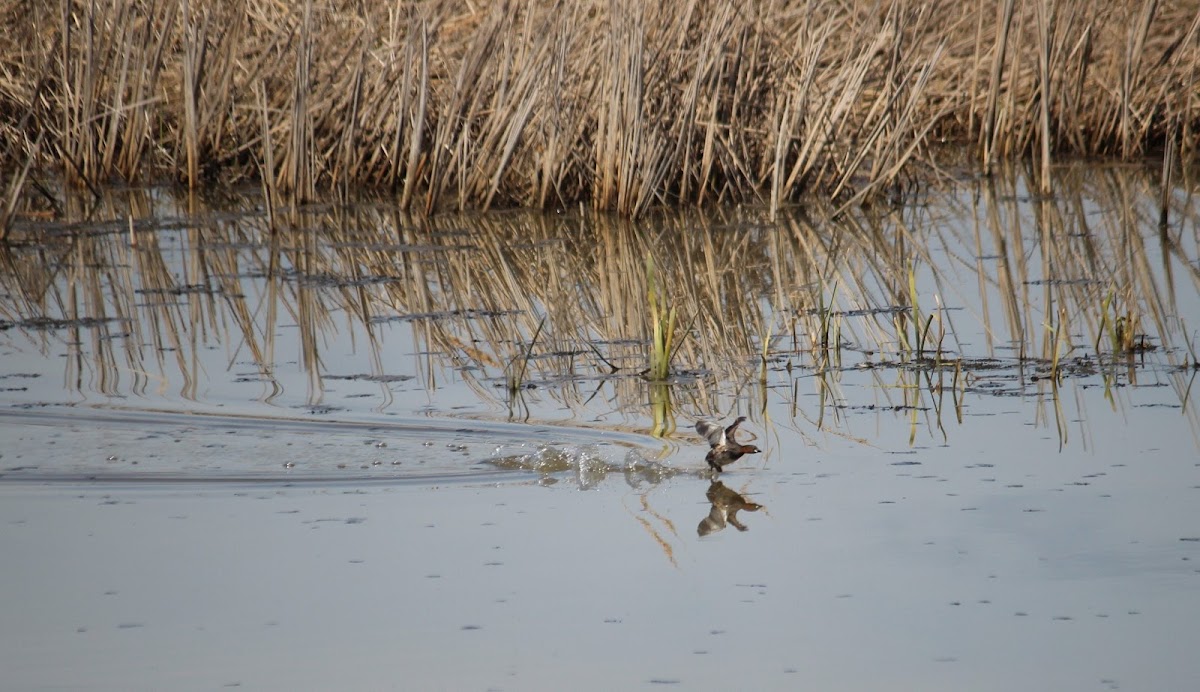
(237, 458)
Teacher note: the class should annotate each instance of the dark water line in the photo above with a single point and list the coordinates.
(169, 480)
(489, 431)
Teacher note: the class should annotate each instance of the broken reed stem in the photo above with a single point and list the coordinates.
(625, 103)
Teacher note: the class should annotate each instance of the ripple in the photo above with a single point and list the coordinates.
(98, 444)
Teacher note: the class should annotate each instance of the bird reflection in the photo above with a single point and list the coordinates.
(726, 503)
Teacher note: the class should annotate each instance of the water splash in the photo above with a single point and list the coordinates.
(588, 465)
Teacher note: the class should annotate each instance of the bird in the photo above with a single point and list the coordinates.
(724, 447)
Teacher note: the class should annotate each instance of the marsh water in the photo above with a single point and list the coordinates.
(340, 447)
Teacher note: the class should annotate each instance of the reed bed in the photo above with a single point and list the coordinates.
(623, 104)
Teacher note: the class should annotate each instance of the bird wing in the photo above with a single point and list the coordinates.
(732, 429)
(712, 432)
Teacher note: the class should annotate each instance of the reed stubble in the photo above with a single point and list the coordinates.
(621, 104)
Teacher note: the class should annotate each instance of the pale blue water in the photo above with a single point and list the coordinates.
(171, 518)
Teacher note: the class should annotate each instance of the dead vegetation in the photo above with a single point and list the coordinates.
(981, 291)
(624, 104)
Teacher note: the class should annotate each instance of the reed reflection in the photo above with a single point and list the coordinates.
(545, 316)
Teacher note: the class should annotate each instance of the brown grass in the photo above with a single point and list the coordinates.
(626, 104)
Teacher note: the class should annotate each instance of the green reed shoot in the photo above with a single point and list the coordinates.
(914, 316)
(1121, 329)
(662, 325)
(830, 328)
(1105, 328)
(764, 339)
(764, 343)
(1058, 332)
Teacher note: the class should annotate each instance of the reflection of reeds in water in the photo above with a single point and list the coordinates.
(564, 297)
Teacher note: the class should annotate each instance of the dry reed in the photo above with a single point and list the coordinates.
(625, 103)
(564, 297)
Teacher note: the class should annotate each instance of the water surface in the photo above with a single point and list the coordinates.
(365, 450)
